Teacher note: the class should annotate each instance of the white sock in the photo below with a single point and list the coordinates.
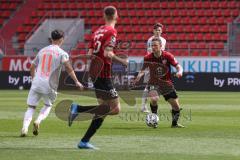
(28, 118)
(43, 114)
(144, 98)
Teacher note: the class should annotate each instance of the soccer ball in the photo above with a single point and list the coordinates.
(152, 120)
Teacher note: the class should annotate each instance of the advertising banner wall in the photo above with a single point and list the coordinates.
(198, 64)
(190, 64)
(189, 81)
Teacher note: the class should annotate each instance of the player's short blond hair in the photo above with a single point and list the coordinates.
(157, 39)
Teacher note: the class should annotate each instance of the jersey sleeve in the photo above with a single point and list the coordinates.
(163, 44)
(111, 40)
(65, 57)
(173, 61)
(36, 60)
(149, 47)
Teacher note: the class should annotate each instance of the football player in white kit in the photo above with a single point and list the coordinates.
(45, 71)
(157, 32)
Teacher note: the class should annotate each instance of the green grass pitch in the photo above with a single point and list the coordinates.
(212, 132)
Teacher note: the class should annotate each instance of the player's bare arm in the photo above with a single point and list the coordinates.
(179, 71)
(32, 70)
(139, 76)
(72, 74)
(90, 51)
(108, 52)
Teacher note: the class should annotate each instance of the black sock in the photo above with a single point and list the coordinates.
(94, 126)
(154, 109)
(175, 117)
(97, 110)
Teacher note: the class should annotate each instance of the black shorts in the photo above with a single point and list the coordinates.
(167, 94)
(104, 89)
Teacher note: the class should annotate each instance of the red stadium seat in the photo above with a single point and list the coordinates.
(192, 13)
(213, 53)
(149, 13)
(204, 53)
(174, 46)
(201, 12)
(208, 12)
(185, 20)
(202, 45)
(233, 4)
(180, 5)
(193, 45)
(131, 5)
(176, 13)
(235, 12)
(147, 5)
(204, 28)
(172, 5)
(132, 13)
(200, 22)
(189, 4)
(122, 5)
(219, 45)
(183, 13)
(195, 53)
(223, 28)
(214, 4)
(198, 4)
(206, 4)
(166, 13)
(163, 5)
(176, 21)
(226, 12)
(199, 37)
(156, 5)
(223, 4)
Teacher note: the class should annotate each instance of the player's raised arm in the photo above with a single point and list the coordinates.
(179, 71)
(72, 74)
(108, 52)
(90, 51)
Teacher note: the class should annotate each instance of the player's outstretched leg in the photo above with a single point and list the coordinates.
(75, 109)
(73, 113)
(144, 108)
(100, 112)
(27, 120)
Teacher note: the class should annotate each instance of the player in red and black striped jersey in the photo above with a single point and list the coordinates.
(159, 63)
(102, 45)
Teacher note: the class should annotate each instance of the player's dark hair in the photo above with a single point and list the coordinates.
(57, 34)
(109, 12)
(157, 39)
(157, 25)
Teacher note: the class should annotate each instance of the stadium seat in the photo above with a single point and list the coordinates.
(223, 4)
(184, 22)
(180, 5)
(204, 53)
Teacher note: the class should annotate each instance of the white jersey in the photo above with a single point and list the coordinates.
(49, 62)
(149, 43)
